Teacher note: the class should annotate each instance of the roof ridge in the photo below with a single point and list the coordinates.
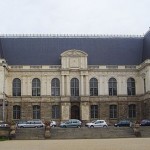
(69, 36)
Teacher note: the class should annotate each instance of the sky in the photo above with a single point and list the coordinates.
(123, 17)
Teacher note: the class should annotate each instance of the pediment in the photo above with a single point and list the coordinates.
(74, 53)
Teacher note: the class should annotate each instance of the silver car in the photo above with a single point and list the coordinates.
(72, 123)
(97, 123)
(31, 124)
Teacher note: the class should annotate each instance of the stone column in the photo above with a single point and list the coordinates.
(65, 110)
(86, 86)
(62, 86)
(67, 86)
(81, 86)
(85, 111)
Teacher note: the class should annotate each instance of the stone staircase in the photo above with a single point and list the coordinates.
(91, 133)
(30, 134)
(80, 133)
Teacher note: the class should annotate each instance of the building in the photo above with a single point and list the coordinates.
(58, 77)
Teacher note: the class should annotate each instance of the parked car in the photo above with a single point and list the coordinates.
(4, 124)
(123, 123)
(96, 123)
(145, 122)
(31, 124)
(72, 123)
(53, 123)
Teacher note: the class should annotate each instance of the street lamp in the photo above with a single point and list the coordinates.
(4, 66)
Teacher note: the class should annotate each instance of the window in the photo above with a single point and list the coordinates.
(16, 87)
(94, 111)
(55, 111)
(131, 86)
(74, 87)
(112, 87)
(132, 111)
(36, 87)
(93, 87)
(113, 111)
(36, 112)
(16, 112)
(55, 87)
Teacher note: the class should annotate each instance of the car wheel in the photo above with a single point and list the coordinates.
(78, 126)
(91, 126)
(105, 126)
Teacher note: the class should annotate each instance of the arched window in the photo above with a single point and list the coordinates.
(132, 111)
(93, 87)
(36, 112)
(113, 111)
(36, 87)
(131, 86)
(74, 87)
(112, 84)
(55, 87)
(16, 112)
(16, 87)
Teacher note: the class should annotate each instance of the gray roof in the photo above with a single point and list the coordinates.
(101, 50)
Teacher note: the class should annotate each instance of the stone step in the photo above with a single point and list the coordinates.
(30, 133)
(91, 133)
(145, 131)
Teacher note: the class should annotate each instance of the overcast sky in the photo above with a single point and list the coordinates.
(74, 16)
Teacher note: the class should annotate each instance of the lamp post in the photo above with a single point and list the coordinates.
(4, 66)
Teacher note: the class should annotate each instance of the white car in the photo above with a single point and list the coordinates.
(97, 123)
(53, 124)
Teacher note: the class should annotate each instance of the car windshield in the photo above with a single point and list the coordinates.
(93, 121)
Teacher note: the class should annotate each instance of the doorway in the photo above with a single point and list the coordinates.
(75, 112)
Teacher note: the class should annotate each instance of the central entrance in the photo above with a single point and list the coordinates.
(75, 111)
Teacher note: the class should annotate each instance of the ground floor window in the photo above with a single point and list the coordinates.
(113, 111)
(94, 111)
(36, 112)
(16, 112)
(55, 111)
(132, 111)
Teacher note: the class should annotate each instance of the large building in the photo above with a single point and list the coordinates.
(58, 77)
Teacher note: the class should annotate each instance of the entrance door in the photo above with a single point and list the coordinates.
(75, 112)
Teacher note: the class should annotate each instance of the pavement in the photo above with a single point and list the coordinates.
(78, 144)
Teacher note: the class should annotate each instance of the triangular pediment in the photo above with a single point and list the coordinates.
(74, 53)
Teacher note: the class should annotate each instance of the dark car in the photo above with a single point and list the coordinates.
(123, 123)
(145, 122)
(72, 123)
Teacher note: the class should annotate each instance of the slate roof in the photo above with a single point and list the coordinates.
(47, 50)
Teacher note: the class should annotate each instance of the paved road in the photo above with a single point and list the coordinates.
(84, 144)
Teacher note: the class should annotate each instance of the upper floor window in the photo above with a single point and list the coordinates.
(55, 87)
(93, 87)
(16, 112)
(131, 86)
(16, 87)
(132, 111)
(74, 87)
(36, 87)
(112, 84)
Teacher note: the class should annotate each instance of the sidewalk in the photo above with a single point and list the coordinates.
(83, 144)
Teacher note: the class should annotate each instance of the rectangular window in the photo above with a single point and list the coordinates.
(55, 111)
(113, 111)
(94, 111)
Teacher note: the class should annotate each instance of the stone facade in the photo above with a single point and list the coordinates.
(74, 65)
